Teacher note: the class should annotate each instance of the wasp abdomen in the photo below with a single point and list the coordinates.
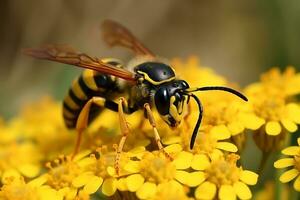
(89, 84)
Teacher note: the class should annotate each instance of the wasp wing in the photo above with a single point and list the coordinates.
(114, 34)
(66, 54)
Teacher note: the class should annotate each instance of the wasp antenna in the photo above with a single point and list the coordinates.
(222, 88)
(196, 129)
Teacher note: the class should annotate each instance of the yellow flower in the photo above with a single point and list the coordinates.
(42, 123)
(210, 141)
(62, 172)
(15, 188)
(293, 162)
(273, 105)
(15, 159)
(223, 178)
(150, 171)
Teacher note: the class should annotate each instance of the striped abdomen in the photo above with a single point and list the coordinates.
(89, 84)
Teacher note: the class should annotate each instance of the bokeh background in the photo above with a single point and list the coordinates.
(239, 39)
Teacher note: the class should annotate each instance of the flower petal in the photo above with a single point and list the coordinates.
(251, 121)
(235, 127)
(273, 128)
(122, 185)
(291, 151)
(288, 175)
(29, 170)
(220, 132)
(190, 179)
(81, 180)
(132, 166)
(200, 162)
(134, 182)
(289, 125)
(173, 148)
(297, 184)
(93, 185)
(294, 112)
(284, 162)
(171, 140)
(109, 186)
(248, 177)
(242, 190)
(227, 146)
(227, 192)
(206, 190)
(183, 160)
(146, 191)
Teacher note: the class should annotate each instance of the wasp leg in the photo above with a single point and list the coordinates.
(83, 118)
(124, 130)
(156, 135)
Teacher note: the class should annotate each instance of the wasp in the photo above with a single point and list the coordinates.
(146, 83)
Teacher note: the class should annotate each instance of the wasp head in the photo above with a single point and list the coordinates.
(170, 102)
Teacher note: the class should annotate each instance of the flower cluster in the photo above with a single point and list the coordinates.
(36, 147)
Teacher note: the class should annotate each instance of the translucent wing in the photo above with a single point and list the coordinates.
(114, 34)
(66, 54)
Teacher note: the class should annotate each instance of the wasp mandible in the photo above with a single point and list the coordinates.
(148, 84)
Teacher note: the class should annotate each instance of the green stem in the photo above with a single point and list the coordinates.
(263, 162)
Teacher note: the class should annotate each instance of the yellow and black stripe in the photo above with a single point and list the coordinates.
(90, 83)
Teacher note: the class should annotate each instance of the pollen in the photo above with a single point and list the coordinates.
(157, 168)
(224, 171)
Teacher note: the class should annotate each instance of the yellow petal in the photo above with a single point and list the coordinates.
(134, 182)
(132, 166)
(81, 155)
(288, 175)
(146, 191)
(227, 192)
(81, 180)
(235, 128)
(206, 190)
(173, 148)
(38, 181)
(183, 160)
(109, 186)
(200, 162)
(227, 146)
(242, 190)
(220, 132)
(93, 185)
(71, 193)
(291, 151)
(29, 170)
(171, 140)
(273, 128)
(47, 193)
(297, 184)
(10, 173)
(294, 112)
(298, 141)
(190, 179)
(285, 162)
(289, 125)
(122, 185)
(251, 121)
(249, 177)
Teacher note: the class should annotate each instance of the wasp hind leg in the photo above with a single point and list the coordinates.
(156, 135)
(83, 118)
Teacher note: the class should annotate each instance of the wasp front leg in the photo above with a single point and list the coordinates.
(156, 135)
(124, 130)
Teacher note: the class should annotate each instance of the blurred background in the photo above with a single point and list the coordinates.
(238, 39)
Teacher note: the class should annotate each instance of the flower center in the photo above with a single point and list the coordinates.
(156, 168)
(62, 175)
(270, 108)
(205, 143)
(224, 171)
